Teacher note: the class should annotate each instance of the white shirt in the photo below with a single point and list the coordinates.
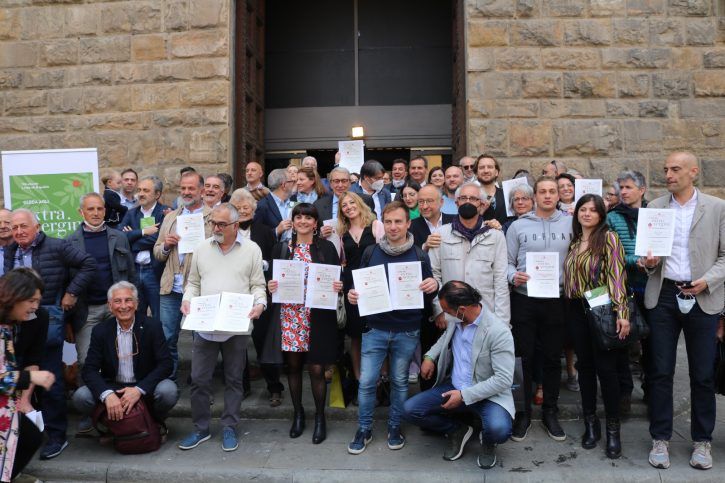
(677, 265)
(434, 228)
(376, 202)
(144, 256)
(125, 340)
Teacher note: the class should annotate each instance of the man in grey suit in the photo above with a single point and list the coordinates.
(685, 293)
(475, 361)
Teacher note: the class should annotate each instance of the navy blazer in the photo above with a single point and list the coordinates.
(383, 196)
(140, 242)
(420, 231)
(267, 212)
(151, 364)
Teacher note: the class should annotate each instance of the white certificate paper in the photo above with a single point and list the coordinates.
(587, 186)
(202, 313)
(352, 155)
(319, 286)
(506, 186)
(334, 237)
(372, 286)
(225, 313)
(655, 232)
(404, 280)
(543, 268)
(190, 229)
(290, 274)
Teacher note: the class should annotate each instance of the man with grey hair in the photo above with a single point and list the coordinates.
(127, 359)
(224, 263)
(274, 209)
(141, 226)
(466, 164)
(371, 183)
(66, 272)
(6, 234)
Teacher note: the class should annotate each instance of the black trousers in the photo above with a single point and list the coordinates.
(29, 440)
(593, 362)
(270, 372)
(539, 320)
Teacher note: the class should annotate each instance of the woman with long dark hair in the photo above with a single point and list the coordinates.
(305, 335)
(20, 293)
(596, 259)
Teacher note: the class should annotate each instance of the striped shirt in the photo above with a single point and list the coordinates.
(125, 342)
(585, 271)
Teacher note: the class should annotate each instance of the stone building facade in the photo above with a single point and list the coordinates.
(160, 84)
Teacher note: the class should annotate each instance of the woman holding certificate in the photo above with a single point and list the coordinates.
(596, 260)
(305, 335)
(359, 228)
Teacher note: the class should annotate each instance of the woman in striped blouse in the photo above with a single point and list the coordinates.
(595, 259)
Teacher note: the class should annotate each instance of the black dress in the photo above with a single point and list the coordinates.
(353, 254)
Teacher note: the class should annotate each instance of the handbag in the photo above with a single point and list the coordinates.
(136, 433)
(603, 324)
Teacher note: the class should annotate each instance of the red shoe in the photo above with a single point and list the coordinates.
(539, 397)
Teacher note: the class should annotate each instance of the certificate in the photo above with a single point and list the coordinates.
(190, 229)
(587, 186)
(543, 268)
(290, 274)
(404, 280)
(352, 155)
(225, 313)
(372, 286)
(507, 186)
(202, 313)
(655, 232)
(320, 294)
(334, 238)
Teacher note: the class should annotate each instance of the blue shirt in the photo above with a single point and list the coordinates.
(335, 202)
(462, 375)
(449, 206)
(284, 211)
(24, 258)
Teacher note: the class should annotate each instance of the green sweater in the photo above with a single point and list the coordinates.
(636, 276)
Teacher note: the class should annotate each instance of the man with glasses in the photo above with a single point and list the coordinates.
(472, 252)
(227, 262)
(127, 359)
(454, 177)
(466, 164)
(425, 228)
(611, 196)
(274, 209)
(328, 205)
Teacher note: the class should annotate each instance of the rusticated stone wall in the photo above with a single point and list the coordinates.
(146, 82)
(599, 84)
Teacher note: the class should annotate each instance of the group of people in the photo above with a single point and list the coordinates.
(119, 286)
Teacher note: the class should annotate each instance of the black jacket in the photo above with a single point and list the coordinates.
(140, 242)
(151, 364)
(115, 210)
(420, 231)
(30, 339)
(500, 212)
(264, 237)
(53, 259)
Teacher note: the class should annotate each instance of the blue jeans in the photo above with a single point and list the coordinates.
(399, 348)
(52, 402)
(170, 312)
(148, 290)
(666, 321)
(424, 410)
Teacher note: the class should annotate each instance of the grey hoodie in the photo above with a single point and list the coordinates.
(531, 233)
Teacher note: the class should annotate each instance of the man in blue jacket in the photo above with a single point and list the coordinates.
(372, 184)
(391, 334)
(141, 225)
(53, 259)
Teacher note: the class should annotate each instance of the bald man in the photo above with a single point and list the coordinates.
(684, 293)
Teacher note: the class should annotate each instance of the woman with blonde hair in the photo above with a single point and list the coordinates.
(359, 228)
(309, 186)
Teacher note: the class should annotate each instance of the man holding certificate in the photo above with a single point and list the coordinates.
(224, 263)
(536, 315)
(392, 319)
(684, 292)
(168, 251)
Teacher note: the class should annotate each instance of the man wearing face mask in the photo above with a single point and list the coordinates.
(114, 263)
(475, 361)
(472, 252)
(372, 184)
(685, 293)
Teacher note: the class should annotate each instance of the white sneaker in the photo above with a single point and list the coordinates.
(701, 457)
(659, 456)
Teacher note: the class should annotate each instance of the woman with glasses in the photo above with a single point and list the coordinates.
(521, 200)
(409, 196)
(20, 292)
(437, 177)
(306, 336)
(611, 196)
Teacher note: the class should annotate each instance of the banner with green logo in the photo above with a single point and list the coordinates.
(50, 183)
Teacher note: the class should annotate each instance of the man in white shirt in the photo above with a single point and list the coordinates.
(418, 170)
(684, 293)
(224, 263)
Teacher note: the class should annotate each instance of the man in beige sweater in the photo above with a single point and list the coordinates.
(224, 263)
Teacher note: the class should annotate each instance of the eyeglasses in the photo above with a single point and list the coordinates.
(425, 202)
(469, 199)
(133, 353)
(339, 181)
(220, 224)
(611, 195)
(467, 167)
(523, 198)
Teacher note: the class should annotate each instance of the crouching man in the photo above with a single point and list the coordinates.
(475, 361)
(127, 359)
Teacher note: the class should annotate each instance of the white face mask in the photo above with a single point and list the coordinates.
(685, 302)
(377, 185)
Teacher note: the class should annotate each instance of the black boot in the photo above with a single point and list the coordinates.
(298, 424)
(320, 432)
(614, 443)
(592, 431)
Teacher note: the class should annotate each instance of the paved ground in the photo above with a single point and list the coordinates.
(266, 452)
